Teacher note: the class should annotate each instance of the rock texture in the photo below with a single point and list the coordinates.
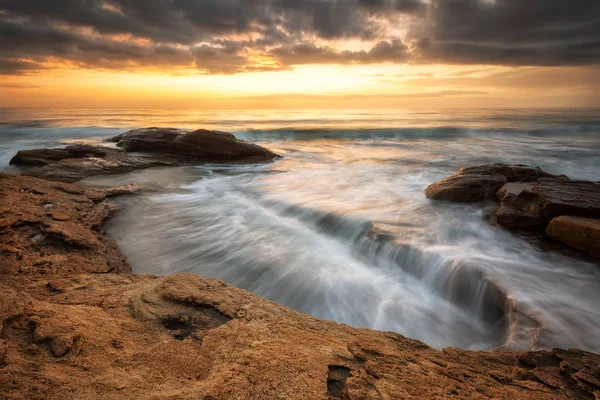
(533, 206)
(54, 228)
(200, 144)
(49, 156)
(482, 182)
(75, 324)
(167, 147)
(77, 162)
(580, 233)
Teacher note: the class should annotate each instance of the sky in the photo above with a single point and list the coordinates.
(256, 54)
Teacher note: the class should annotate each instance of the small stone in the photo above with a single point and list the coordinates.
(38, 238)
(59, 216)
(61, 345)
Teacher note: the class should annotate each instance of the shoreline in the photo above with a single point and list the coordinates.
(75, 325)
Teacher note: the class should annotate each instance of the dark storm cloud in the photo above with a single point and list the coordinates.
(222, 36)
(510, 32)
(37, 44)
(308, 53)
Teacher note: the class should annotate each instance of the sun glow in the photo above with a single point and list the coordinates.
(320, 86)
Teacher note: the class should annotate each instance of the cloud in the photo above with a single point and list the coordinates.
(231, 36)
(536, 78)
(309, 53)
(18, 86)
(509, 32)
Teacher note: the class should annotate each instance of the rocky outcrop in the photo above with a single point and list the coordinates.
(76, 324)
(201, 145)
(529, 199)
(577, 232)
(52, 228)
(167, 147)
(533, 206)
(482, 182)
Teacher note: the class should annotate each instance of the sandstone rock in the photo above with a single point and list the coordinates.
(72, 330)
(35, 243)
(481, 182)
(580, 233)
(534, 206)
(201, 145)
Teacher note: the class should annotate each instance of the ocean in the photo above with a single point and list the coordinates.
(340, 228)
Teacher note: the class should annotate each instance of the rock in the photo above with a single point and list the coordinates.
(482, 182)
(66, 238)
(580, 233)
(104, 161)
(77, 324)
(59, 216)
(49, 156)
(534, 206)
(201, 145)
(167, 147)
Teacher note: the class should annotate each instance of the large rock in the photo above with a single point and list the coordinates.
(166, 147)
(577, 232)
(201, 144)
(482, 182)
(533, 206)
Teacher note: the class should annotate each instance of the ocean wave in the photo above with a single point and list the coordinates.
(405, 133)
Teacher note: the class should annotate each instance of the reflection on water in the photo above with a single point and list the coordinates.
(340, 227)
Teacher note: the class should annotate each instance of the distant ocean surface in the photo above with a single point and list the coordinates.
(340, 227)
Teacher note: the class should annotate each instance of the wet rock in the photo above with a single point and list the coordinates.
(105, 162)
(482, 182)
(49, 156)
(577, 232)
(201, 145)
(534, 206)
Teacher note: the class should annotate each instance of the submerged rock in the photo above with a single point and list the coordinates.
(577, 232)
(482, 182)
(201, 144)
